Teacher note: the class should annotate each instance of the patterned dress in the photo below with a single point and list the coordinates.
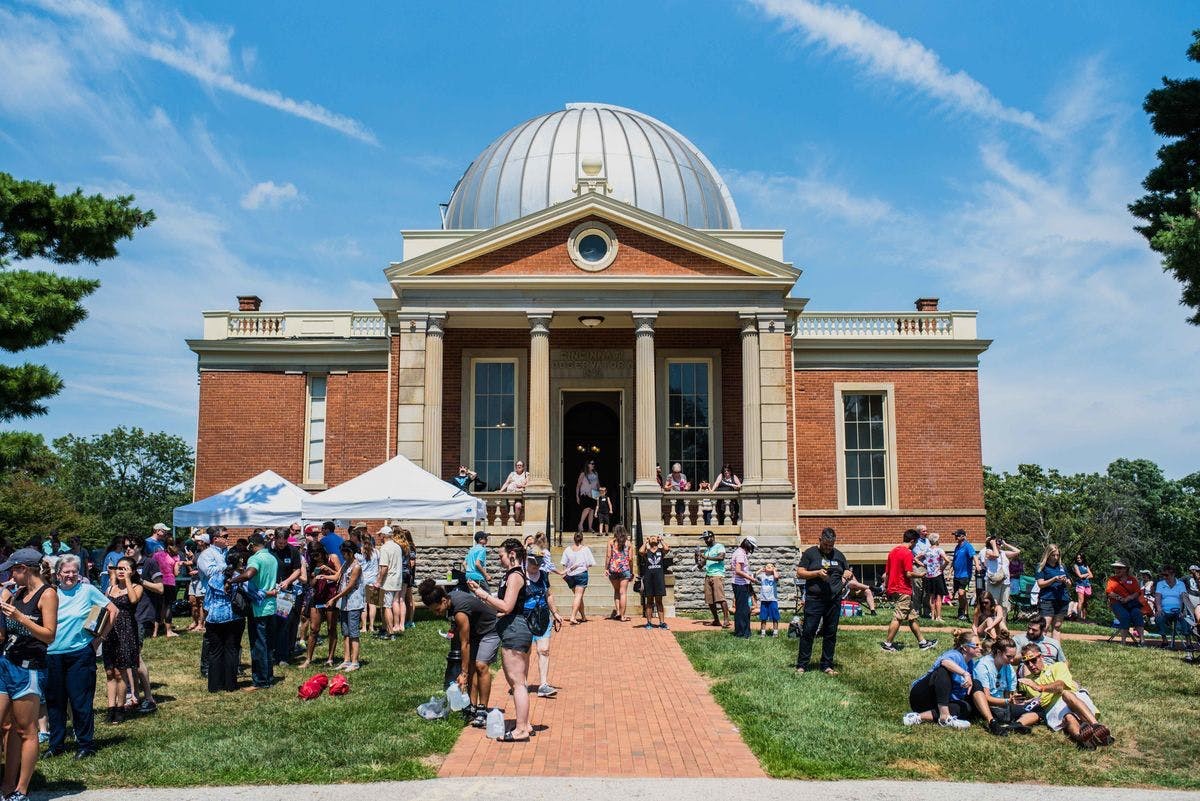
(121, 647)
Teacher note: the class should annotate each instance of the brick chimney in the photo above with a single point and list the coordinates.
(254, 303)
(927, 304)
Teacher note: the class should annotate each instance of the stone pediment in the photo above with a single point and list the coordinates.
(648, 247)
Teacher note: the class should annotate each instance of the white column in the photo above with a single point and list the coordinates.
(751, 405)
(539, 402)
(431, 449)
(644, 388)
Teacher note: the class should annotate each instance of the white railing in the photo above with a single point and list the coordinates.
(293, 325)
(880, 325)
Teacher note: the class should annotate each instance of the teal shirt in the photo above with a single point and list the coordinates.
(267, 567)
(478, 553)
(715, 568)
(73, 608)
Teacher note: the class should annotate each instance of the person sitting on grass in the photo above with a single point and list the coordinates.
(1061, 702)
(943, 693)
(1035, 634)
(997, 681)
(854, 589)
(989, 619)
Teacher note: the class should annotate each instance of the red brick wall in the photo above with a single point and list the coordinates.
(248, 422)
(456, 339)
(876, 530)
(937, 441)
(546, 254)
(356, 425)
(254, 421)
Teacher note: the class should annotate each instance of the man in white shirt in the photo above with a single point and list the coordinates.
(391, 580)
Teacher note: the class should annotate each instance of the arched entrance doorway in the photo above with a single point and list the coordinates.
(591, 431)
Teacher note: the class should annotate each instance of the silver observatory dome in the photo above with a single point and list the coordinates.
(536, 164)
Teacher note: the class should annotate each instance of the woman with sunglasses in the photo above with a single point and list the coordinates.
(587, 493)
(943, 694)
(30, 623)
(122, 646)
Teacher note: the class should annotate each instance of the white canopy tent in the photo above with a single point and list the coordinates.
(395, 490)
(268, 499)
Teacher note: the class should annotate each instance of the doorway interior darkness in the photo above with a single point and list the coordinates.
(591, 430)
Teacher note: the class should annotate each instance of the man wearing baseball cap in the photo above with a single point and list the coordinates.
(714, 578)
(154, 543)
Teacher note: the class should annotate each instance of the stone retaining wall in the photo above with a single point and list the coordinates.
(689, 580)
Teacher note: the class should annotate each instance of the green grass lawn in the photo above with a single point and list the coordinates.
(848, 726)
(272, 737)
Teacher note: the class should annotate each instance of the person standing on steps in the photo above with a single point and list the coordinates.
(822, 567)
(587, 493)
(898, 574)
(576, 559)
(620, 571)
(714, 579)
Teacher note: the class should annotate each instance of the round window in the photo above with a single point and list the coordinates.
(593, 248)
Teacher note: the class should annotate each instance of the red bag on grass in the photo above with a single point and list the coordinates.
(313, 687)
(339, 685)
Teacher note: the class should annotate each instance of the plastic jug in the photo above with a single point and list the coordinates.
(495, 723)
(457, 698)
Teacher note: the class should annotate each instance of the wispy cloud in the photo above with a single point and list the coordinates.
(813, 194)
(196, 49)
(271, 195)
(886, 54)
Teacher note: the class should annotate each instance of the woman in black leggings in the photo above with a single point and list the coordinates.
(944, 693)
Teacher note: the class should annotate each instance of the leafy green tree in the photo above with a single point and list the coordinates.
(25, 453)
(1169, 207)
(39, 307)
(29, 510)
(128, 479)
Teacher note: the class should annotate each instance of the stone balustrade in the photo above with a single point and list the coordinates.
(294, 325)
(885, 325)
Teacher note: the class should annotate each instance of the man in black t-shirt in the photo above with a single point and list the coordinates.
(822, 567)
(287, 575)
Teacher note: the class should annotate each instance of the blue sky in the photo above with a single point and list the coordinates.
(983, 153)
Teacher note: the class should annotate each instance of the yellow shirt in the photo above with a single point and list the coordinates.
(1056, 672)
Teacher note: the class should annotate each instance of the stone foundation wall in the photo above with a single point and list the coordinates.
(689, 579)
(435, 562)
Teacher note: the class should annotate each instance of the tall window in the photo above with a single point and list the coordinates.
(314, 472)
(494, 415)
(689, 412)
(866, 449)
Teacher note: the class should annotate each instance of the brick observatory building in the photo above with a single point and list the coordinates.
(592, 296)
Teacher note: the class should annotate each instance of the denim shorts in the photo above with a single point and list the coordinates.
(351, 622)
(18, 682)
(624, 574)
(578, 580)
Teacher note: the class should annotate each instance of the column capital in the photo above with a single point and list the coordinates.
(749, 323)
(772, 323)
(435, 325)
(539, 323)
(643, 323)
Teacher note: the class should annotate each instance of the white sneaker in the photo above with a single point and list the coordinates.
(912, 718)
(546, 691)
(954, 723)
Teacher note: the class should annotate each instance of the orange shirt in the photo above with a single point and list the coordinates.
(1124, 586)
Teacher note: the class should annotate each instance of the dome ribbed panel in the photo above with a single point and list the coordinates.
(536, 164)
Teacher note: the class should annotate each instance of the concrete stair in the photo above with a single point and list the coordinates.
(598, 596)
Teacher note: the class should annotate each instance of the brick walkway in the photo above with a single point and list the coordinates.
(629, 704)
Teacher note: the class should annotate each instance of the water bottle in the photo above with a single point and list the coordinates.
(495, 723)
(457, 698)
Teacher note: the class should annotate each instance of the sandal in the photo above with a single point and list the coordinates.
(508, 738)
(830, 672)
(626, 619)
